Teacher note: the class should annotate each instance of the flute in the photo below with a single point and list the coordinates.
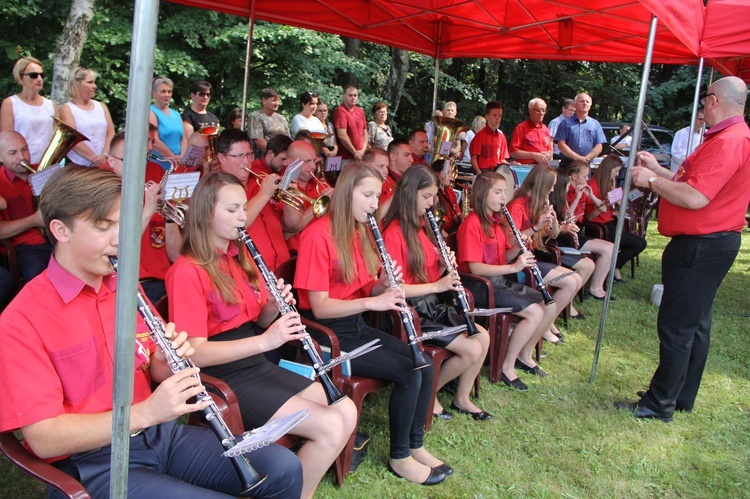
(463, 300)
(418, 357)
(249, 477)
(333, 394)
(548, 300)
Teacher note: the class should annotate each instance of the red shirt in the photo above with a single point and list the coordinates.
(490, 147)
(267, 230)
(418, 160)
(58, 350)
(310, 190)
(353, 120)
(17, 192)
(154, 260)
(452, 218)
(197, 307)
(584, 204)
(475, 246)
(399, 250)
(318, 266)
(720, 170)
(389, 186)
(530, 137)
(520, 212)
(605, 216)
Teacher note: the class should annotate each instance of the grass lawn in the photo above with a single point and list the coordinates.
(563, 438)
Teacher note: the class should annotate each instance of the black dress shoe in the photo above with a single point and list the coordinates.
(536, 370)
(516, 383)
(443, 415)
(477, 416)
(436, 476)
(641, 412)
(678, 407)
(579, 316)
(619, 280)
(444, 468)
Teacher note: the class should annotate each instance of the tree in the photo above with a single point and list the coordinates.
(69, 47)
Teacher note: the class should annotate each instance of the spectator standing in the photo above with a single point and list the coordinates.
(379, 132)
(531, 142)
(580, 136)
(680, 143)
(351, 125)
(89, 117)
(27, 112)
(267, 122)
(197, 116)
(172, 141)
(568, 110)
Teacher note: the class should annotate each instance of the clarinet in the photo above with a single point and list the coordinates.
(548, 300)
(332, 392)
(463, 300)
(418, 357)
(249, 477)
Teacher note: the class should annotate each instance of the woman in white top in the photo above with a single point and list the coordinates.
(27, 112)
(89, 117)
(306, 119)
(477, 124)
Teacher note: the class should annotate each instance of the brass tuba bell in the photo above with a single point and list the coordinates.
(446, 130)
(211, 132)
(64, 138)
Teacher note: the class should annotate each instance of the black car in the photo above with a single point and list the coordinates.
(664, 136)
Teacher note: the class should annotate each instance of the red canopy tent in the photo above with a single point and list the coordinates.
(591, 30)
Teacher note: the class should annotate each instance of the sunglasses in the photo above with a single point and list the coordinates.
(204, 94)
(33, 75)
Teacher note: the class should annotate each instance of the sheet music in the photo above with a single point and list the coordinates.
(180, 186)
(38, 179)
(192, 156)
(291, 174)
(566, 250)
(333, 164)
(445, 148)
(266, 434)
(635, 194)
(485, 312)
(615, 195)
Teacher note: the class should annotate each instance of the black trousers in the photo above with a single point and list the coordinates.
(631, 244)
(693, 267)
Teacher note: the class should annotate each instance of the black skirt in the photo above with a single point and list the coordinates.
(261, 387)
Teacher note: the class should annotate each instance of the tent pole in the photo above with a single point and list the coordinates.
(695, 105)
(248, 56)
(145, 20)
(637, 134)
(437, 71)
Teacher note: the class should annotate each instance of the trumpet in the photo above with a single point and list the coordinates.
(171, 209)
(295, 199)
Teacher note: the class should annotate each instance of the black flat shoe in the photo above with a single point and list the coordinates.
(578, 316)
(597, 298)
(445, 415)
(536, 370)
(477, 416)
(516, 383)
(560, 342)
(444, 468)
(436, 476)
(619, 280)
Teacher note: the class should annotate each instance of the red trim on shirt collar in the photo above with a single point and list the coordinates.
(724, 124)
(69, 286)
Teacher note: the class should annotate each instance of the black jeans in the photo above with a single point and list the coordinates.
(692, 269)
(412, 390)
(631, 244)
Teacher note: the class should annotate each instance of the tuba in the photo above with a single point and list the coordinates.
(446, 130)
(64, 138)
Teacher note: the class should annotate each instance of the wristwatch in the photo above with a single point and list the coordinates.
(651, 181)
